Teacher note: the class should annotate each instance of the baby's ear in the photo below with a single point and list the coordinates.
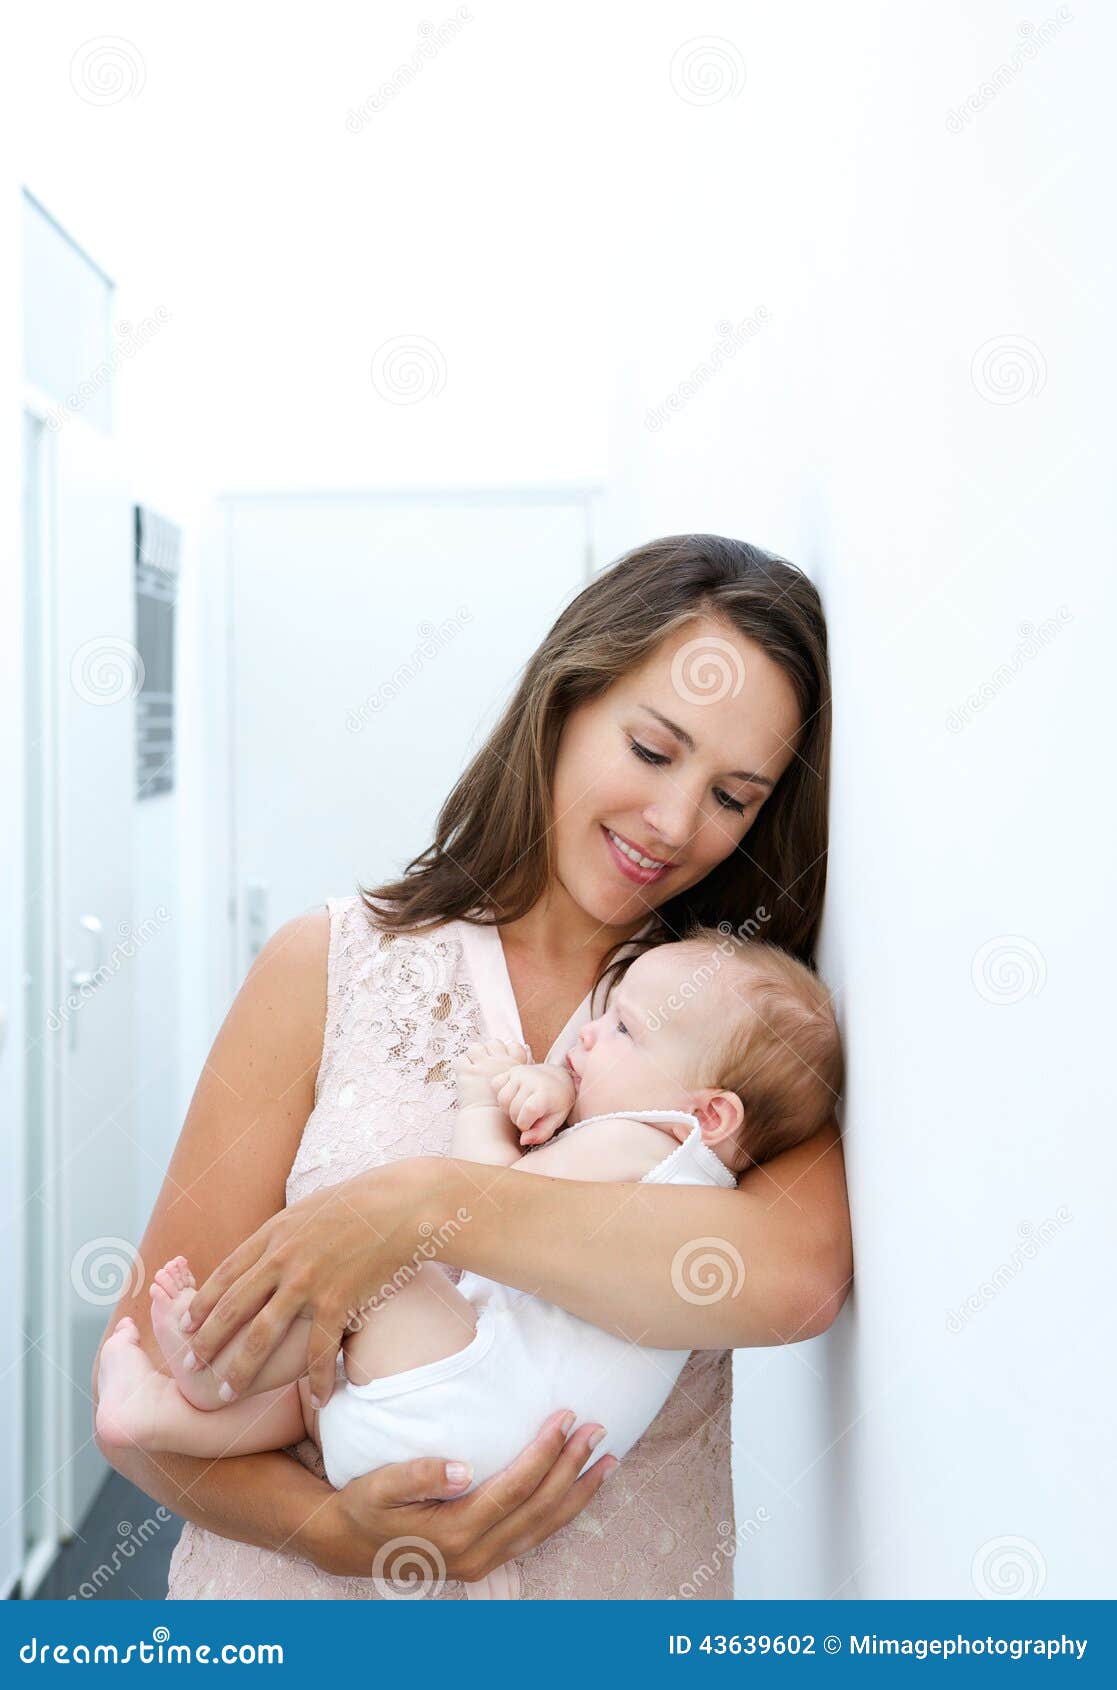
(720, 1114)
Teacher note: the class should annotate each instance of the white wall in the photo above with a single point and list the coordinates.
(970, 888)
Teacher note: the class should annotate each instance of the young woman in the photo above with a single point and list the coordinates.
(664, 757)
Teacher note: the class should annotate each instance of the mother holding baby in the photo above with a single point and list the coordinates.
(663, 760)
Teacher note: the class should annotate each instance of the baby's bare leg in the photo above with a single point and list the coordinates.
(143, 1409)
(171, 1291)
(426, 1320)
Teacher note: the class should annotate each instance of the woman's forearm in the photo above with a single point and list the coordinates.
(269, 1500)
(671, 1267)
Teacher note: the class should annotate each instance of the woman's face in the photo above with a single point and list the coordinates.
(674, 762)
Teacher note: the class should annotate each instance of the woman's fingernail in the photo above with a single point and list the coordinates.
(186, 1324)
(566, 1422)
(314, 1403)
(458, 1473)
(227, 1393)
(596, 1437)
(189, 1361)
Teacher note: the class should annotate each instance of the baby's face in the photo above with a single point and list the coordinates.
(641, 1053)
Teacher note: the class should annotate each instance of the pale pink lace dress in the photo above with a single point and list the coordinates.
(400, 1009)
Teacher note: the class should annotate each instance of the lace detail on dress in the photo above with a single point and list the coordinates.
(401, 1008)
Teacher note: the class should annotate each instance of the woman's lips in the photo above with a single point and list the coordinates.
(631, 870)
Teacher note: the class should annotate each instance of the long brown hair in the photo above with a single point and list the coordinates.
(493, 847)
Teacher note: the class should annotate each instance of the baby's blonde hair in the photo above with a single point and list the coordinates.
(778, 1047)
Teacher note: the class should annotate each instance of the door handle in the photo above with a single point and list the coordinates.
(80, 977)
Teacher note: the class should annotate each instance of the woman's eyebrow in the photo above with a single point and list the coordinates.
(686, 739)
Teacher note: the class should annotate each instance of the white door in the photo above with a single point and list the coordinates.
(81, 1138)
(372, 638)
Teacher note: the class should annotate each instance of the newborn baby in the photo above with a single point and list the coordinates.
(713, 1054)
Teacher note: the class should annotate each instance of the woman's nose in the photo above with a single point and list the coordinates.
(671, 823)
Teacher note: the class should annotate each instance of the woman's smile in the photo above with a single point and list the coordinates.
(624, 853)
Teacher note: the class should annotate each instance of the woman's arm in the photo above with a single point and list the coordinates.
(671, 1267)
(674, 1267)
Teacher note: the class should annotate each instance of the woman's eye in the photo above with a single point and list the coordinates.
(728, 803)
(621, 1028)
(645, 755)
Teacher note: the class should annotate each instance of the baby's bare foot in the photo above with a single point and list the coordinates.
(171, 1291)
(130, 1392)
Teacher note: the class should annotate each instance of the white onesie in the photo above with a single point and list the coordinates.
(526, 1359)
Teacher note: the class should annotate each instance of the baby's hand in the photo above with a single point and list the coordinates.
(537, 1098)
(479, 1066)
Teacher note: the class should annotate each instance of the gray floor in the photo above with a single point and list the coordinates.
(122, 1552)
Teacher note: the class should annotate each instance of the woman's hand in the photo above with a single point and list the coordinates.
(325, 1257)
(468, 1537)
